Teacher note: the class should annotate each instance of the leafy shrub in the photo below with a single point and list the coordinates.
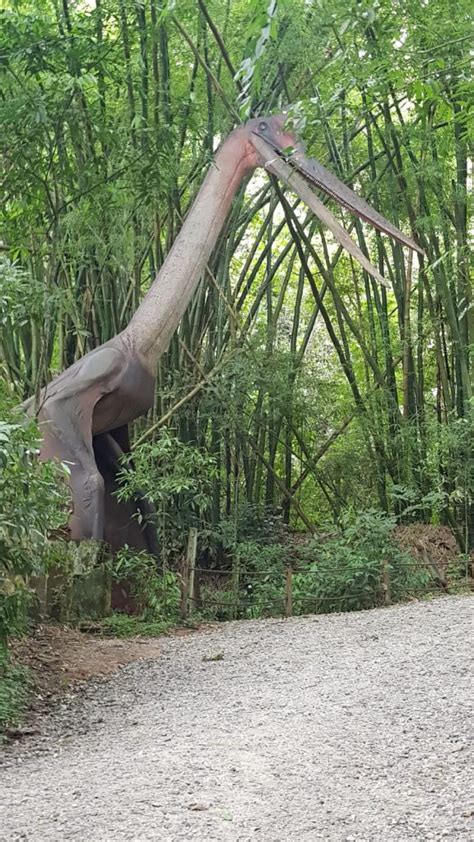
(176, 478)
(253, 588)
(251, 524)
(344, 573)
(221, 604)
(157, 595)
(33, 503)
(14, 690)
(263, 576)
(126, 625)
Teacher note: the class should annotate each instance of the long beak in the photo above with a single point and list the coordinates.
(318, 175)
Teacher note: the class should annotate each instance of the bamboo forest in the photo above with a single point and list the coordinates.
(305, 416)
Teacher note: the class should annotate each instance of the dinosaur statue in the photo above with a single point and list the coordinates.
(85, 411)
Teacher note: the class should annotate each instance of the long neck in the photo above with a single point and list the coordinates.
(155, 321)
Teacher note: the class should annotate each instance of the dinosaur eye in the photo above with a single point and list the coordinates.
(262, 127)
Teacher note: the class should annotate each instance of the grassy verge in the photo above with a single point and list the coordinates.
(15, 685)
(127, 625)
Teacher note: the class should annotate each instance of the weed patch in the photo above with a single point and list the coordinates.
(15, 686)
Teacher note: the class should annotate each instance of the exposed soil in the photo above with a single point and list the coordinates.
(60, 658)
(427, 542)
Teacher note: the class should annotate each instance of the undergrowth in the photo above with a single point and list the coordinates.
(347, 571)
(15, 686)
(156, 596)
(128, 625)
(344, 572)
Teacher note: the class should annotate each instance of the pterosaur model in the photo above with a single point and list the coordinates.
(85, 411)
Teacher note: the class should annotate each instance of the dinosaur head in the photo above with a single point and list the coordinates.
(278, 150)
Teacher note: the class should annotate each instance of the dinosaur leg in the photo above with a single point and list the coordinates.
(66, 420)
(67, 436)
(147, 509)
(121, 524)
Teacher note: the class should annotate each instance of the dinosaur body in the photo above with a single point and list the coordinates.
(84, 412)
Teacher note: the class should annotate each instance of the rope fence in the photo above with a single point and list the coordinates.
(243, 586)
(306, 570)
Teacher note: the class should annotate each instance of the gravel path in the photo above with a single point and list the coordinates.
(338, 727)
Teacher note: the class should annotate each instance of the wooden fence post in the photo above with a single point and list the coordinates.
(235, 585)
(183, 585)
(289, 592)
(386, 587)
(191, 566)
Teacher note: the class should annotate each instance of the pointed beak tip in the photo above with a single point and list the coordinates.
(300, 170)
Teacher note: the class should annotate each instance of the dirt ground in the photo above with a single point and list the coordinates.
(61, 658)
(334, 727)
(428, 541)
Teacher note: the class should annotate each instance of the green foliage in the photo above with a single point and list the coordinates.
(128, 625)
(157, 595)
(15, 685)
(260, 29)
(15, 598)
(222, 604)
(305, 404)
(21, 298)
(33, 503)
(263, 577)
(252, 525)
(32, 498)
(176, 478)
(342, 573)
(345, 572)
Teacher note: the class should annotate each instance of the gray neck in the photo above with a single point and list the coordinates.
(155, 321)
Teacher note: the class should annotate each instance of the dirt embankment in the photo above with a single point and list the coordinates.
(424, 540)
(59, 658)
